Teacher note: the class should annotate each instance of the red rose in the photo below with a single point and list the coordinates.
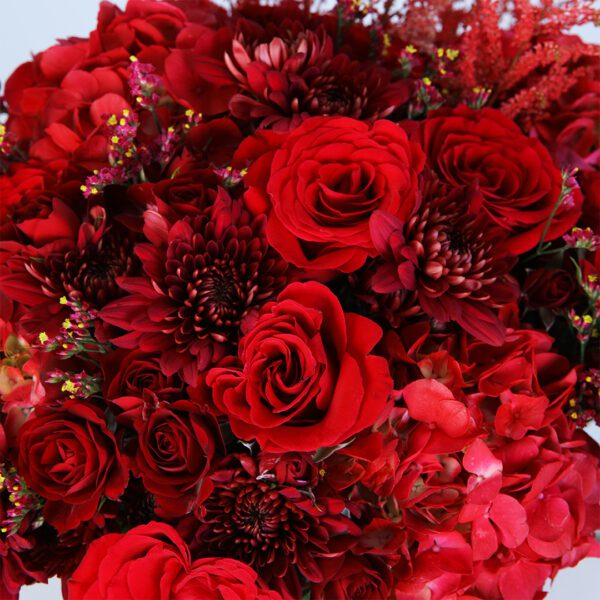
(519, 183)
(152, 561)
(68, 456)
(550, 288)
(291, 468)
(349, 576)
(135, 373)
(187, 194)
(305, 378)
(175, 446)
(326, 180)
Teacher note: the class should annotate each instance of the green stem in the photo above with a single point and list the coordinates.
(155, 117)
(549, 221)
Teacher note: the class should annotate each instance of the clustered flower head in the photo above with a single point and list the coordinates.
(144, 83)
(582, 238)
(298, 302)
(126, 161)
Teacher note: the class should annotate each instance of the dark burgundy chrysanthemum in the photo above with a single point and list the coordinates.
(394, 306)
(291, 78)
(75, 259)
(203, 276)
(88, 271)
(267, 526)
(445, 255)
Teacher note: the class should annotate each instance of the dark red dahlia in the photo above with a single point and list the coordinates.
(296, 76)
(204, 276)
(395, 307)
(89, 272)
(82, 261)
(277, 530)
(446, 255)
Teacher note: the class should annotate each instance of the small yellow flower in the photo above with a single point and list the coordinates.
(43, 337)
(114, 139)
(587, 319)
(132, 58)
(574, 415)
(410, 49)
(426, 81)
(66, 324)
(440, 52)
(112, 120)
(68, 386)
(63, 300)
(126, 113)
(189, 113)
(83, 188)
(452, 54)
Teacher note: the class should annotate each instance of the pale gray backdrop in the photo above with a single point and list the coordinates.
(33, 25)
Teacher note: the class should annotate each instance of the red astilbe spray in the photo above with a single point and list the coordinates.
(532, 64)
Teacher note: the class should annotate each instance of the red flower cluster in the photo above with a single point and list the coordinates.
(301, 304)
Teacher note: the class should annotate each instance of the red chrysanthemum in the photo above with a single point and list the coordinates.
(296, 76)
(270, 527)
(445, 254)
(203, 276)
(79, 260)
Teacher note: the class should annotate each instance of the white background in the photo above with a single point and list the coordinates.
(33, 25)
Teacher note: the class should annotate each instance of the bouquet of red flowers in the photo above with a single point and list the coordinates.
(301, 303)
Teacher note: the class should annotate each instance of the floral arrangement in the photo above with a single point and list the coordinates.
(302, 303)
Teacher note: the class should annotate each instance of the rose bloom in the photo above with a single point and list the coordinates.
(135, 373)
(175, 446)
(291, 468)
(326, 180)
(152, 561)
(305, 377)
(516, 176)
(550, 288)
(68, 456)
